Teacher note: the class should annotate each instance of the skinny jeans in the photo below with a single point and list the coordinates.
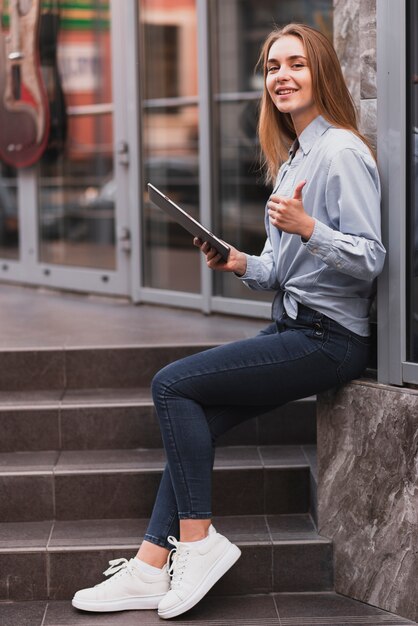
(200, 397)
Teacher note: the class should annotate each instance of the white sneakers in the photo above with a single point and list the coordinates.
(195, 569)
(129, 588)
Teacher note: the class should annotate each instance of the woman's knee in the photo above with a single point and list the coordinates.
(159, 384)
(165, 380)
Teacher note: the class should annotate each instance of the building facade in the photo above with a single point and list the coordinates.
(167, 92)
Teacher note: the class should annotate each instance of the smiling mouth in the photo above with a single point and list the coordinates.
(285, 92)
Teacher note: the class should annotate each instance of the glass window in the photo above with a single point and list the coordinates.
(239, 29)
(9, 220)
(170, 139)
(412, 195)
(11, 118)
(76, 185)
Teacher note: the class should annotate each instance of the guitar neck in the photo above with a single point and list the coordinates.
(15, 51)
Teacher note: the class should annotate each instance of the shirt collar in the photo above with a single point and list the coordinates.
(312, 132)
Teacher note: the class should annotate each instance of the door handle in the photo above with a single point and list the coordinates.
(124, 238)
(122, 151)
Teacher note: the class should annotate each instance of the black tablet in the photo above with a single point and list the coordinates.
(194, 227)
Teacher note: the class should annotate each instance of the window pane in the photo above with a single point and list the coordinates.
(239, 29)
(9, 220)
(76, 184)
(170, 129)
(413, 184)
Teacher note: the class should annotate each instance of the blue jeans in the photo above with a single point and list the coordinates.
(202, 396)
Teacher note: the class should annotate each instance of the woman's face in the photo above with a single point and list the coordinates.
(289, 81)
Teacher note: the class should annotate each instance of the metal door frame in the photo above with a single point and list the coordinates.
(393, 368)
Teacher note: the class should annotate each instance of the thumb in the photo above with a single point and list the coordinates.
(297, 194)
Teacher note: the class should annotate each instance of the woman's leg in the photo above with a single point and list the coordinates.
(301, 358)
(201, 397)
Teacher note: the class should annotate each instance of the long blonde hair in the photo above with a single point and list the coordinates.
(330, 93)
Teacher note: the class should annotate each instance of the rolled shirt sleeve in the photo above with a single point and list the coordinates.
(261, 273)
(351, 244)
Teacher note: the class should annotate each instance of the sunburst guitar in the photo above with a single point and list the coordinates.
(24, 110)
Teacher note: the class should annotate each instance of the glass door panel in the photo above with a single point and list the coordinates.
(239, 28)
(170, 140)
(9, 217)
(77, 188)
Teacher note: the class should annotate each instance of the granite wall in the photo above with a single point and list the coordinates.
(368, 492)
(368, 433)
(355, 43)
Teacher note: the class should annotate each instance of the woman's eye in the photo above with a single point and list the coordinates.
(273, 68)
(298, 65)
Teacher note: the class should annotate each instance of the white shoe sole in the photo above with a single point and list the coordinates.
(219, 568)
(127, 604)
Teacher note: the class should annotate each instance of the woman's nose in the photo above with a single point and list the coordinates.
(282, 73)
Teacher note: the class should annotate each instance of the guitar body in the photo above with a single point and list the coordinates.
(24, 111)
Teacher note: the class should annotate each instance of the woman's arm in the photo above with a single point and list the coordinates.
(257, 272)
(351, 243)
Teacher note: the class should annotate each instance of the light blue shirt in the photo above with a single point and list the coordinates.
(334, 271)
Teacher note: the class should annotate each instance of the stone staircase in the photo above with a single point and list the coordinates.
(80, 462)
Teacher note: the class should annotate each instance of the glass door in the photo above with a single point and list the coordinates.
(170, 145)
(9, 219)
(73, 204)
(238, 29)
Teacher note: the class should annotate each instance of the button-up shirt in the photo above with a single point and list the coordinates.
(334, 271)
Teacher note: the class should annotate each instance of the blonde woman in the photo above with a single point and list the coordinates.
(322, 254)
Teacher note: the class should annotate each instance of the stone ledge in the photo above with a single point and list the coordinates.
(370, 382)
(368, 491)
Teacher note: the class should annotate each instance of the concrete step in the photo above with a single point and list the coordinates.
(279, 609)
(105, 484)
(53, 559)
(83, 368)
(95, 419)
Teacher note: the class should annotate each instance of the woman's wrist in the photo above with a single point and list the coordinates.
(241, 265)
(308, 228)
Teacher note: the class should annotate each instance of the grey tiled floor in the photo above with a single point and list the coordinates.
(32, 318)
(307, 609)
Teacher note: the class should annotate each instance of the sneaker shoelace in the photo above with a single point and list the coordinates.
(119, 567)
(179, 556)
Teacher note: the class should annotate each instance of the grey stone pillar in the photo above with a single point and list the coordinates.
(368, 492)
(355, 43)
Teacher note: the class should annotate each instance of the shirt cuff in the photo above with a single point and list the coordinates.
(251, 271)
(321, 240)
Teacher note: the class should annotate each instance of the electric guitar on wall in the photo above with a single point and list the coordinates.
(24, 110)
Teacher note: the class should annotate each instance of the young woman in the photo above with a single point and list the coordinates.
(321, 257)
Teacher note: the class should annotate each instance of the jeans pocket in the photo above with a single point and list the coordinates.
(355, 360)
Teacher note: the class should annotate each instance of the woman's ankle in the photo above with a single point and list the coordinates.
(152, 554)
(194, 529)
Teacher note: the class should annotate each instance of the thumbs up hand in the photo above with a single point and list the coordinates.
(289, 214)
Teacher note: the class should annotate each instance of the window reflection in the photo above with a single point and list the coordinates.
(239, 29)
(76, 185)
(170, 140)
(9, 222)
